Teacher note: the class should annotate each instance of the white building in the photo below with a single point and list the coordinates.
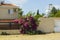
(49, 8)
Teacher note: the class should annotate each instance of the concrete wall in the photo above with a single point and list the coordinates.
(46, 24)
(10, 31)
(5, 15)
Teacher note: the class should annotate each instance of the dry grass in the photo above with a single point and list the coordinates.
(52, 36)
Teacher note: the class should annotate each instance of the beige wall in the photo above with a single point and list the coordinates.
(47, 24)
(10, 31)
(5, 15)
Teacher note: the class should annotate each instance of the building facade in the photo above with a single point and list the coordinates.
(8, 11)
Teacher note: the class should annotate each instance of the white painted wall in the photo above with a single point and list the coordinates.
(57, 26)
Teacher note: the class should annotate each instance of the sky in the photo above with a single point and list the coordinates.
(33, 5)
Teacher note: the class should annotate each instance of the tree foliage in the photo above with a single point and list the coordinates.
(38, 15)
(53, 12)
(20, 12)
(57, 14)
(38, 12)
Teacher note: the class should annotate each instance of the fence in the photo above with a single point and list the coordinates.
(5, 24)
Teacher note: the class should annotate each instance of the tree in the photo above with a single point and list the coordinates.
(38, 15)
(52, 12)
(20, 12)
(43, 14)
(38, 12)
(57, 14)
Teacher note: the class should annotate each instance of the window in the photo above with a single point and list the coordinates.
(10, 11)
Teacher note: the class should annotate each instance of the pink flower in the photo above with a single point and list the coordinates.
(21, 21)
(26, 25)
(16, 20)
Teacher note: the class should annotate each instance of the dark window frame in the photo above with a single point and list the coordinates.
(8, 11)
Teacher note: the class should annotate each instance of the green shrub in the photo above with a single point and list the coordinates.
(40, 32)
(4, 33)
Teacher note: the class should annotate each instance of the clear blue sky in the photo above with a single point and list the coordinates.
(33, 5)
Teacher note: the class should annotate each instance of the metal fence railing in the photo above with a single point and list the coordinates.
(8, 25)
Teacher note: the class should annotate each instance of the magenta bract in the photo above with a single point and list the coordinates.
(16, 20)
(28, 23)
(21, 21)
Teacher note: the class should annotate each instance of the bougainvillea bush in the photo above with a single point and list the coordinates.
(27, 25)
